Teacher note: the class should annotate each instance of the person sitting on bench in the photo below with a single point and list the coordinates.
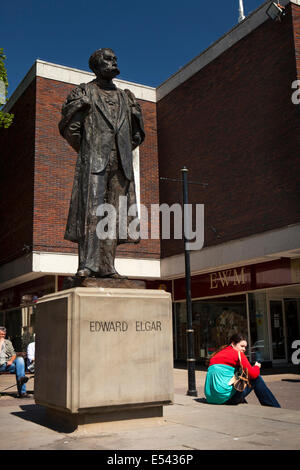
(9, 362)
(31, 356)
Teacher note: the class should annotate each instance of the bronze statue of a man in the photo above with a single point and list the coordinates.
(104, 125)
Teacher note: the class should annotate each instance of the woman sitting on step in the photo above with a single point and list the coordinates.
(218, 387)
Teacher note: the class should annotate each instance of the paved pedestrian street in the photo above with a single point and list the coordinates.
(189, 424)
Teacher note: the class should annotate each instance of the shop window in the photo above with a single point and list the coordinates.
(214, 322)
(258, 317)
(19, 324)
(13, 325)
(180, 347)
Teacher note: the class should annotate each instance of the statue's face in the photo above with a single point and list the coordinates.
(107, 65)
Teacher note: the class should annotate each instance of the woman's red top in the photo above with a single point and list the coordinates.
(230, 357)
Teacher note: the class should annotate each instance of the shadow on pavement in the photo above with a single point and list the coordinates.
(201, 400)
(37, 414)
(290, 380)
(13, 394)
(8, 394)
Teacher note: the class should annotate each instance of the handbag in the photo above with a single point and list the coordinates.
(240, 380)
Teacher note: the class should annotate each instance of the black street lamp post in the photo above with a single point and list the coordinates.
(190, 331)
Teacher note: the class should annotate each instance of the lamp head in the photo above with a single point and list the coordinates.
(275, 11)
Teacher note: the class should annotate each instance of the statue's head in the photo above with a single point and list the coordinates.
(103, 63)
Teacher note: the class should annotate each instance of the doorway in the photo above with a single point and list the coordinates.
(284, 327)
(292, 320)
(278, 331)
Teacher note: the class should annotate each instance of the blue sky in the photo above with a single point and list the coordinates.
(151, 39)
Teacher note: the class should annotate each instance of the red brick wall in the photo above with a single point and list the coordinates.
(16, 178)
(54, 170)
(234, 126)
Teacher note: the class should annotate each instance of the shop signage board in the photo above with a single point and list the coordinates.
(239, 279)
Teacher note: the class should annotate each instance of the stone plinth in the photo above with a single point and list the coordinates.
(104, 353)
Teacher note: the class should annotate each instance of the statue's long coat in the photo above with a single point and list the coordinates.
(87, 126)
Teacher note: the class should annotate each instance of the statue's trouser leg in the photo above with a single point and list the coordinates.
(106, 187)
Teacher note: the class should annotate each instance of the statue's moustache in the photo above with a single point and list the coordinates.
(114, 70)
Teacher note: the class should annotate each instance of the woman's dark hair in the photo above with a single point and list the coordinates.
(235, 338)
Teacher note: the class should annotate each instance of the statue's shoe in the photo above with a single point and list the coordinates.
(86, 272)
(111, 275)
(116, 276)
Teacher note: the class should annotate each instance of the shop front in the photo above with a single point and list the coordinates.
(17, 309)
(261, 301)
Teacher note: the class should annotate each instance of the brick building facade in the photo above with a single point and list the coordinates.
(229, 118)
(236, 114)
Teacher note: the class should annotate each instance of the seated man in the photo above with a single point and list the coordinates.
(31, 356)
(9, 362)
